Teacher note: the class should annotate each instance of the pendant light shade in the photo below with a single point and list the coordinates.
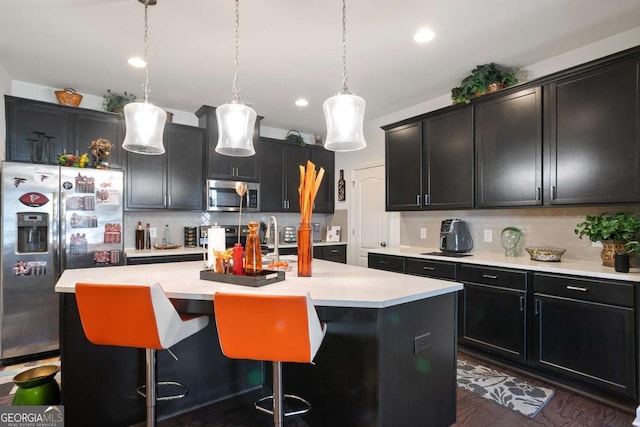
(235, 119)
(144, 121)
(344, 112)
(235, 129)
(145, 126)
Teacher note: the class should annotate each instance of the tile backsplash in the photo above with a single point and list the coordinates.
(540, 226)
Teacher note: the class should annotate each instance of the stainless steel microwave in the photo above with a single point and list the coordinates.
(222, 196)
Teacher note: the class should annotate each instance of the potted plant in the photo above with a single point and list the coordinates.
(115, 102)
(483, 79)
(614, 231)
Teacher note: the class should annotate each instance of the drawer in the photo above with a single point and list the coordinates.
(593, 290)
(386, 262)
(331, 251)
(501, 277)
(440, 270)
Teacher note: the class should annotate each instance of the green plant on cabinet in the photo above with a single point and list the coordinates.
(479, 81)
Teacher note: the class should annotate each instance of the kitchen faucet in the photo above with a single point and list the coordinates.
(276, 253)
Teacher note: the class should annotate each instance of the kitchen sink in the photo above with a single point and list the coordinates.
(451, 254)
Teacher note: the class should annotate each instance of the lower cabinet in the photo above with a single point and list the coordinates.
(386, 262)
(335, 253)
(493, 310)
(428, 268)
(585, 330)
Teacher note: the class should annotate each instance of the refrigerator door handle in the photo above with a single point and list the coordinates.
(60, 247)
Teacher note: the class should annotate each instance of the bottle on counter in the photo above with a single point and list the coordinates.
(253, 255)
(139, 236)
(147, 237)
(166, 235)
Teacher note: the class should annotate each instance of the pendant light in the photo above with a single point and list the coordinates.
(235, 119)
(344, 112)
(144, 121)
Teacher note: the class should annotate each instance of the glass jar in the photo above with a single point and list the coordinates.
(253, 255)
(304, 250)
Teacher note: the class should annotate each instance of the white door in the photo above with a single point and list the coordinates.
(369, 218)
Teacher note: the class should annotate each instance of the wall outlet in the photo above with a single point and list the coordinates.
(423, 232)
(488, 235)
(597, 244)
(152, 232)
(421, 343)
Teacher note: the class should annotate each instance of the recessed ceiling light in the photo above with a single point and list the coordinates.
(301, 102)
(424, 35)
(137, 62)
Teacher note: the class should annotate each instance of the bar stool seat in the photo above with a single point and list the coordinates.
(139, 316)
(269, 327)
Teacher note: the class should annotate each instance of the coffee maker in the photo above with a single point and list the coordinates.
(455, 236)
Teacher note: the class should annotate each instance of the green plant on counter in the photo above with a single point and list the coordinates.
(620, 226)
(477, 83)
(115, 102)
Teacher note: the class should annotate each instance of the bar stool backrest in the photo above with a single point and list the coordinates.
(271, 327)
(139, 316)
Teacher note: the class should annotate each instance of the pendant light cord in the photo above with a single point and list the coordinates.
(145, 86)
(235, 88)
(344, 46)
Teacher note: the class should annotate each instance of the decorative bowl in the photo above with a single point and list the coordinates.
(545, 253)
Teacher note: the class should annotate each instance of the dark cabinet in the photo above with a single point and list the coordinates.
(428, 268)
(595, 136)
(335, 253)
(89, 126)
(585, 330)
(448, 160)
(280, 176)
(386, 262)
(173, 180)
(493, 310)
(508, 136)
(403, 163)
(220, 166)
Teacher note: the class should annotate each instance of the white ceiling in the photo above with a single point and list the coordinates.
(292, 48)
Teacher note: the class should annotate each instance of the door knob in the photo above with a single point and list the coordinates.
(383, 244)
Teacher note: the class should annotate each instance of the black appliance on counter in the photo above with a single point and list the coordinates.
(455, 236)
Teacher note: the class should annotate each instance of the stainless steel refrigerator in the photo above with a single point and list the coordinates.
(53, 218)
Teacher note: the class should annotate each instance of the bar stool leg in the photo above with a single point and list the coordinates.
(151, 387)
(277, 394)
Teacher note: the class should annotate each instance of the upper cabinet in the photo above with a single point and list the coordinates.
(37, 132)
(403, 154)
(595, 136)
(220, 166)
(429, 163)
(280, 176)
(508, 144)
(173, 180)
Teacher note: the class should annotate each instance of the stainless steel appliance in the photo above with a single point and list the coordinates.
(221, 196)
(455, 236)
(53, 218)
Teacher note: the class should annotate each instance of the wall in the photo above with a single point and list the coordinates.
(5, 84)
(550, 226)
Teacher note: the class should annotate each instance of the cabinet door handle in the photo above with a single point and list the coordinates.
(334, 251)
(521, 303)
(429, 268)
(577, 288)
(164, 200)
(538, 193)
(427, 200)
(383, 262)
(554, 193)
(418, 200)
(169, 201)
(489, 276)
(537, 307)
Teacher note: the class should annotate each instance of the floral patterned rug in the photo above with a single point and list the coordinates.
(505, 390)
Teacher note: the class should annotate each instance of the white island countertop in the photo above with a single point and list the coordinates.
(524, 262)
(332, 284)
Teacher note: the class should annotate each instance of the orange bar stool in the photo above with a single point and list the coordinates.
(268, 327)
(139, 316)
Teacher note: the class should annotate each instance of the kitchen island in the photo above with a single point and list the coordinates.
(388, 357)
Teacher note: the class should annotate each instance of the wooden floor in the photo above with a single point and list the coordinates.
(566, 409)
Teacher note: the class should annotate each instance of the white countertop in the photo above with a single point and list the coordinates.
(565, 266)
(136, 253)
(331, 284)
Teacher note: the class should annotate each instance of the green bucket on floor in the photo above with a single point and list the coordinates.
(37, 386)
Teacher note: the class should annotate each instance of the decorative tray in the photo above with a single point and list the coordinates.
(266, 277)
(545, 253)
(169, 246)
